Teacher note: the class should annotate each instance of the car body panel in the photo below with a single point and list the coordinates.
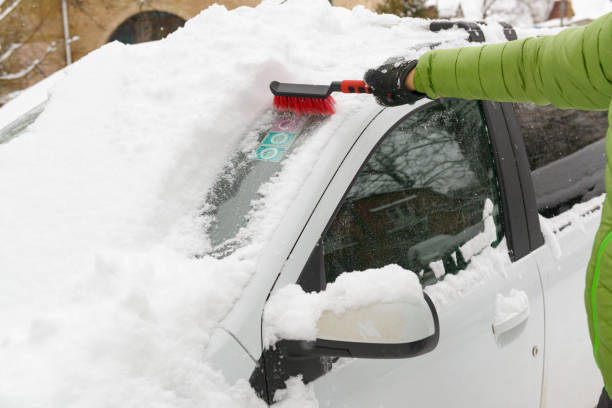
(571, 375)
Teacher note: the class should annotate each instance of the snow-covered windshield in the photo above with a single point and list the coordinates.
(256, 161)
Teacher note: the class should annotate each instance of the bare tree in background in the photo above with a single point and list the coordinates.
(23, 45)
(485, 7)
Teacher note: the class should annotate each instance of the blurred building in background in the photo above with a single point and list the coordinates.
(561, 9)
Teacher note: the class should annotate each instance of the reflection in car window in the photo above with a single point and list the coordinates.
(419, 197)
(256, 161)
(566, 151)
(15, 128)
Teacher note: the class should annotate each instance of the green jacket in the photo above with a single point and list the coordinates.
(572, 69)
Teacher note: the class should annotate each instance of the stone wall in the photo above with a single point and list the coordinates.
(94, 21)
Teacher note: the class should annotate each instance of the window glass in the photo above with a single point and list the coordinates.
(260, 157)
(566, 151)
(419, 197)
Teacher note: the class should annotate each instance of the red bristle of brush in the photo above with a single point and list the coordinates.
(305, 106)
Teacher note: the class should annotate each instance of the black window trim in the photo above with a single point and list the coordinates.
(536, 238)
(511, 183)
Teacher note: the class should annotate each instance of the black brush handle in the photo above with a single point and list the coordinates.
(300, 90)
(317, 91)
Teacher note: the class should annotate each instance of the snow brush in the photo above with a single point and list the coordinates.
(312, 99)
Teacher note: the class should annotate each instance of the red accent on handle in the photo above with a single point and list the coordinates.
(354, 87)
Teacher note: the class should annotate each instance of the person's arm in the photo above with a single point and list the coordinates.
(572, 69)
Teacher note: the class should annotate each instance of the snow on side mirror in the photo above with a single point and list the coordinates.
(378, 313)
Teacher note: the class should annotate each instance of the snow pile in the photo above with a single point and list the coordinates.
(293, 314)
(475, 245)
(483, 239)
(571, 219)
(508, 307)
(126, 330)
(577, 215)
(438, 268)
(102, 299)
(296, 395)
(549, 237)
(489, 262)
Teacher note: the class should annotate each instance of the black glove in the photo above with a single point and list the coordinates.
(388, 83)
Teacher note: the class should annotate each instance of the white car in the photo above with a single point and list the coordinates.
(450, 189)
(408, 186)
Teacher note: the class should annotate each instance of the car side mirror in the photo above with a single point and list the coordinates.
(380, 313)
(386, 330)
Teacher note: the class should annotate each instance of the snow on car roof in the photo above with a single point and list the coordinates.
(102, 301)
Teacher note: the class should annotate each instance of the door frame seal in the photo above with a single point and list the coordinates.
(511, 188)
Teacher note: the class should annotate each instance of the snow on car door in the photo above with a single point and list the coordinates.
(426, 197)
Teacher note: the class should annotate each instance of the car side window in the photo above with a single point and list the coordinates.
(566, 152)
(419, 197)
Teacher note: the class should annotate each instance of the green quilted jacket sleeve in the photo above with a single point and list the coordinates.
(572, 69)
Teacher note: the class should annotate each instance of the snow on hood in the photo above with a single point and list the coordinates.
(102, 301)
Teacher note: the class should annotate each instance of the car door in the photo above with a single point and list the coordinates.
(422, 188)
(565, 161)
